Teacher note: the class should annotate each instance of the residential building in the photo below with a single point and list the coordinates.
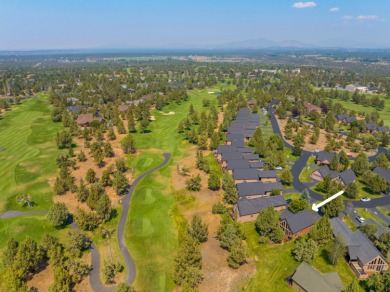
(324, 158)
(249, 209)
(298, 224)
(257, 189)
(363, 257)
(308, 279)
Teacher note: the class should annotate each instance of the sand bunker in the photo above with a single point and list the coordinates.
(152, 118)
(168, 114)
(210, 92)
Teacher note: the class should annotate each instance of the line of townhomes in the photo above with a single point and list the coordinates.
(255, 185)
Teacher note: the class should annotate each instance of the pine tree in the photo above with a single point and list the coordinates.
(198, 230)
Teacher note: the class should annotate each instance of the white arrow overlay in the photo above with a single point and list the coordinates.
(316, 207)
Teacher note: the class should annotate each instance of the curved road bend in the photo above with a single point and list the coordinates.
(301, 163)
(94, 277)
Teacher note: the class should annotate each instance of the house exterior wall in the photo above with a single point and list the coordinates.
(253, 217)
(268, 179)
(238, 181)
(291, 236)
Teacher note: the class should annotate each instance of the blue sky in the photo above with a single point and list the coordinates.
(64, 24)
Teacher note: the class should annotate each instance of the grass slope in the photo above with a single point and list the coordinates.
(28, 162)
(275, 263)
(154, 222)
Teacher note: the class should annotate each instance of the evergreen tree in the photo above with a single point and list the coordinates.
(322, 231)
(305, 250)
(82, 192)
(336, 249)
(58, 214)
(361, 164)
(120, 183)
(213, 182)
(198, 230)
(128, 144)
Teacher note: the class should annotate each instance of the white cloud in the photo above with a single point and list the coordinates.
(304, 4)
(367, 17)
(334, 9)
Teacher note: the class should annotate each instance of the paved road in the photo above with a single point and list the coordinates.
(380, 215)
(94, 278)
(14, 214)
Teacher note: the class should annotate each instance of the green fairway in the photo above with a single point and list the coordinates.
(154, 222)
(34, 226)
(151, 234)
(275, 263)
(28, 134)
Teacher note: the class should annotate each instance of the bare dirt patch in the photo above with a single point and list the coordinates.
(218, 275)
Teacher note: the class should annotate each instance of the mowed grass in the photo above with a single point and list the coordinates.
(28, 134)
(34, 226)
(154, 223)
(383, 114)
(276, 262)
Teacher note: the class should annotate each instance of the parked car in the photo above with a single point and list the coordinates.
(279, 168)
(365, 199)
(360, 219)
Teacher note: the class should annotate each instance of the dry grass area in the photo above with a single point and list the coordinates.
(218, 276)
(322, 141)
(44, 279)
(82, 167)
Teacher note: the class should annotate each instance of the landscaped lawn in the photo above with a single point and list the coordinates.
(347, 220)
(305, 174)
(154, 223)
(28, 134)
(384, 211)
(275, 263)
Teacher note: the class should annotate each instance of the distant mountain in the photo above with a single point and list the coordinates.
(263, 43)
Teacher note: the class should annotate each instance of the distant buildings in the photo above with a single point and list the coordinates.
(356, 88)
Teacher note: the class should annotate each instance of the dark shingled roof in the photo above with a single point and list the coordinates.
(245, 149)
(254, 206)
(321, 156)
(257, 164)
(341, 117)
(384, 129)
(347, 176)
(226, 148)
(257, 188)
(237, 164)
(235, 137)
(359, 246)
(251, 156)
(385, 173)
(73, 108)
(238, 143)
(300, 220)
(325, 171)
(231, 155)
(312, 280)
(371, 126)
(267, 173)
(250, 173)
